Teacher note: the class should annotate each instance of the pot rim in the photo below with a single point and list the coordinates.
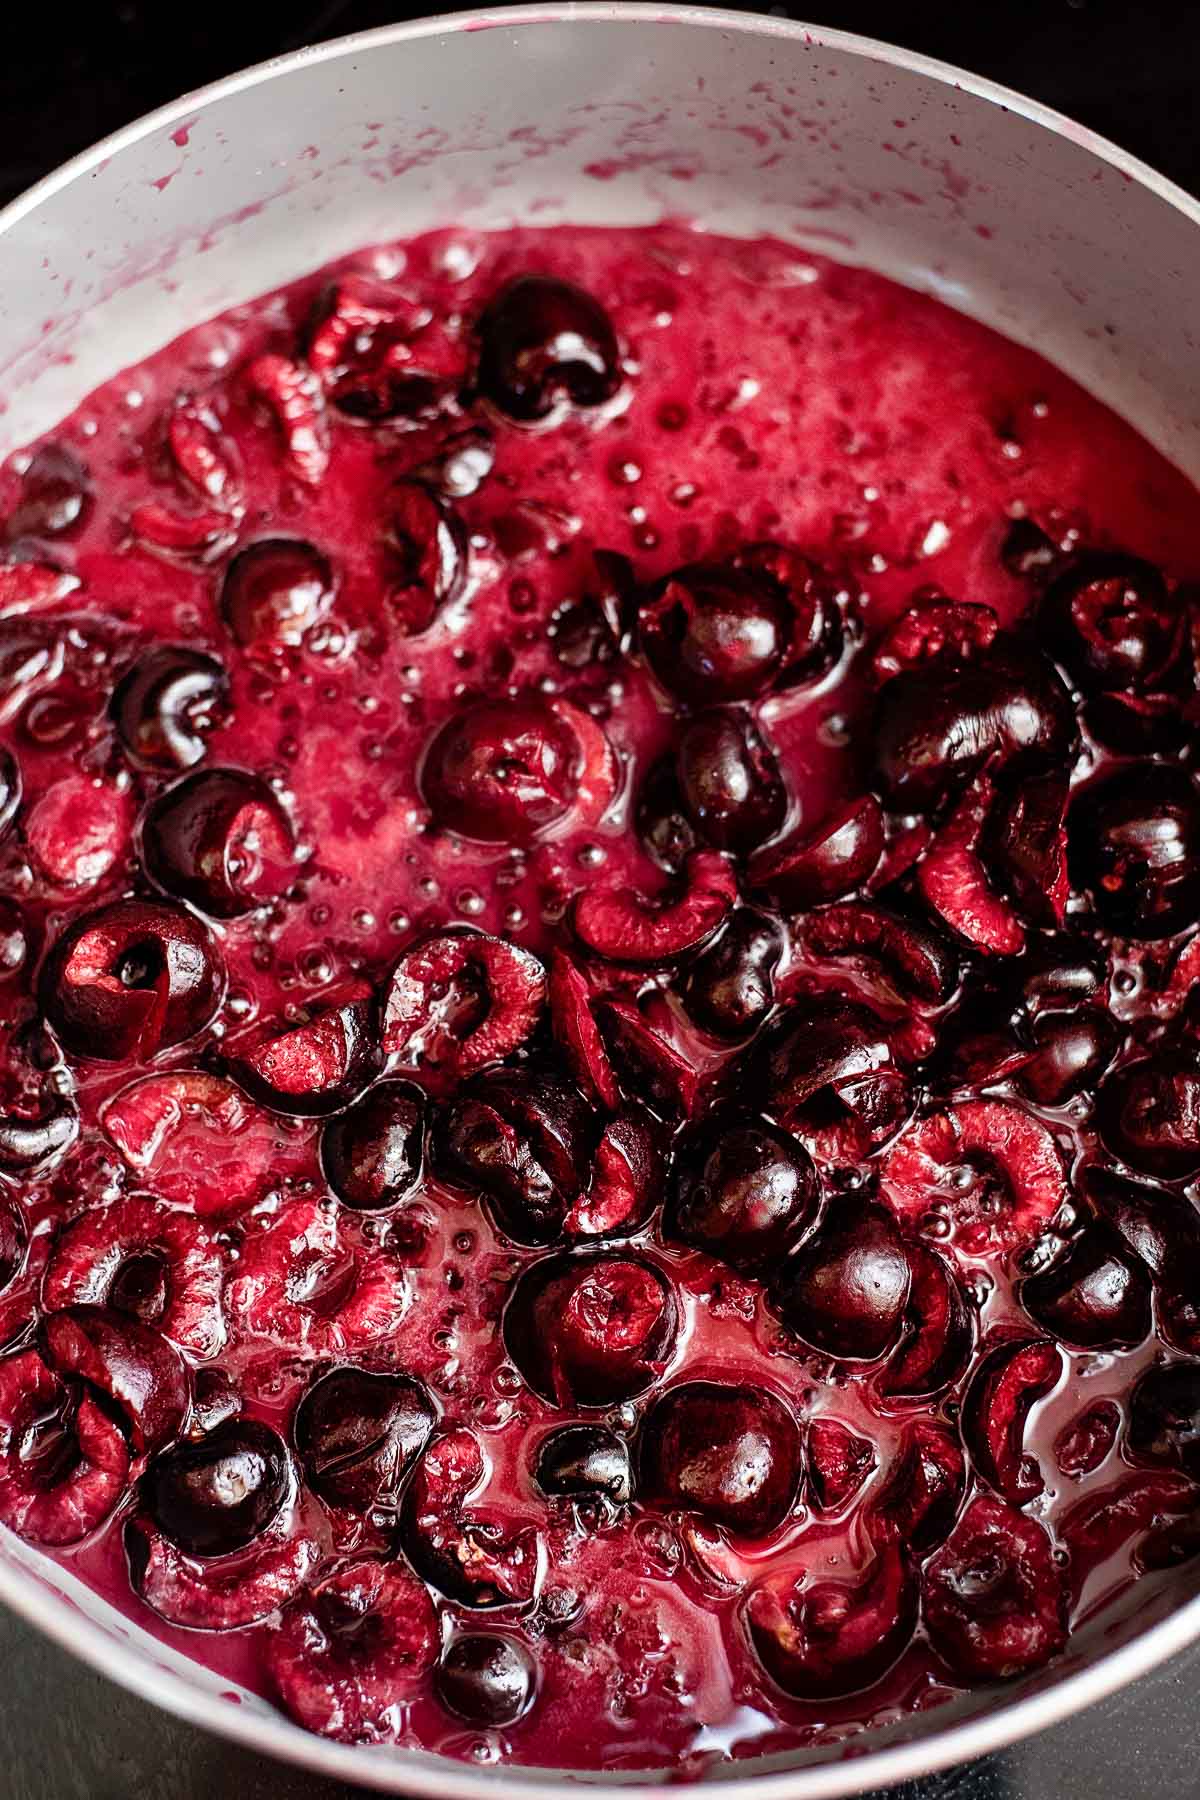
(422, 1774)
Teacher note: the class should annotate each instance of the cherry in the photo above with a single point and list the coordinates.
(744, 1190)
(583, 1463)
(130, 1367)
(621, 924)
(216, 1494)
(827, 1074)
(302, 1280)
(730, 782)
(274, 592)
(14, 939)
(428, 556)
(728, 1453)
(713, 633)
(1161, 1229)
(1109, 620)
(458, 1001)
(845, 1291)
(371, 1153)
(502, 772)
(13, 1243)
(1005, 1385)
(668, 835)
(359, 1435)
(522, 1140)
(591, 1330)
(647, 1062)
(955, 881)
(544, 344)
(817, 634)
(33, 1146)
(56, 496)
(934, 630)
(1024, 842)
(474, 1558)
(353, 1650)
(166, 703)
(1135, 847)
(577, 1033)
(64, 1462)
(626, 1178)
(1149, 1114)
(923, 1489)
(990, 1168)
(819, 1638)
(937, 1339)
(1095, 1295)
(319, 1061)
(994, 1597)
(826, 864)
(730, 988)
(486, 1679)
(10, 789)
(1087, 1441)
(839, 1461)
(1070, 1053)
(1005, 707)
(1026, 551)
(220, 839)
(131, 979)
(1057, 970)
(1164, 1417)
(919, 961)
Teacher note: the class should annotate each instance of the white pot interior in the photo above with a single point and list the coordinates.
(610, 115)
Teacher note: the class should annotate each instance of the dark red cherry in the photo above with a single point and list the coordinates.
(1070, 1053)
(713, 633)
(728, 1453)
(825, 864)
(814, 602)
(1095, 1295)
(486, 1679)
(165, 705)
(274, 592)
(318, 1060)
(730, 782)
(585, 1462)
(1109, 620)
(936, 727)
(730, 988)
(525, 1142)
(994, 1597)
(844, 1292)
(1138, 724)
(1160, 1228)
(839, 1461)
(216, 1494)
(139, 1376)
(371, 1153)
(359, 1434)
(916, 958)
(1006, 1384)
(937, 1339)
(131, 979)
(743, 1190)
(1058, 970)
(502, 772)
(543, 343)
(819, 1637)
(667, 834)
(934, 630)
(428, 554)
(1149, 1114)
(1134, 839)
(221, 840)
(1164, 1417)
(591, 1330)
(14, 939)
(826, 1072)
(923, 1489)
(56, 496)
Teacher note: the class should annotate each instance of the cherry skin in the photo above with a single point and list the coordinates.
(166, 704)
(486, 1679)
(730, 782)
(543, 344)
(216, 1495)
(503, 772)
(359, 1434)
(712, 633)
(591, 1330)
(744, 1190)
(585, 1462)
(219, 839)
(371, 1153)
(730, 988)
(274, 592)
(730, 1454)
(845, 1291)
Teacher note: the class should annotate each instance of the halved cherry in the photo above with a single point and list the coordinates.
(1094, 1295)
(626, 1179)
(647, 1062)
(56, 496)
(460, 1000)
(839, 1462)
(79, 831)
(730, 988)
(199, 1142)
(1025, 841)
(318, 1063)
(819, 1638)
(954, 881)
(130, 1366)
(1006, 1384)
(990, 1168)
(202, 454)
(828, 1075)
(730, 781)
(994, 1597)
(743, 1190)
(32, 1145)
(822, 865)
(131, 979)
(1148, 1112)
(29, 587)
(731, 1454)
(546, 344)
(1086, 1442)
(1071, 1050)
(371, 1154)
(922, 1490)
(1161, 1228)
(591, 1330)
(470, 1556)
(221, 840)
(620, 924)
(938, 1332)
(218, 1593)
(64, 1462)
(359, 1435)
(274, 592)
(292, 395)
(921, 963)
(301, 1282)
(576, 1031)
(353, 1649)
(147, 1261)
(166, 703)
(524, 1139)
(503, 771)
(1110, 620)
(713, 633)
(934, 629)
(427, 556)
(1133, 1506)
(845, 1290)
(815, 598)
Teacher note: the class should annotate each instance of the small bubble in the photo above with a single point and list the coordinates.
(1125, 981)
(591, 856)
(398, 922)
(470, 903)
(514, 917)
(362, 919)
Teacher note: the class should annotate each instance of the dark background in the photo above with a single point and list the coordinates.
(68, 75)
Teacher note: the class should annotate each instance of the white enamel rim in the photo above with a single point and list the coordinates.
(444, 1779)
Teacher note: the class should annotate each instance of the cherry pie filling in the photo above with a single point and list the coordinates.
(599, 903)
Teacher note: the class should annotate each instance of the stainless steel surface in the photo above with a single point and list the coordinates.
(1086, 252)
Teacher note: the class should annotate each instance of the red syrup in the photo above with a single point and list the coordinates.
(649, 1333)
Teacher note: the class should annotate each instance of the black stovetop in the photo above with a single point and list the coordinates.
(70, 74)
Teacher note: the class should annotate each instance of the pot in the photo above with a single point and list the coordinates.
(611, 114)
